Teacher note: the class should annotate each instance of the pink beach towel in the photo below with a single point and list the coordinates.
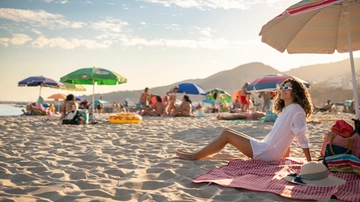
(267, 176)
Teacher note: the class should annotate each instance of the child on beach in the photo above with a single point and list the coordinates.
(293, 104)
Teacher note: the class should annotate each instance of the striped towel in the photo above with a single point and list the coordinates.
(343, 163)
(268, 176)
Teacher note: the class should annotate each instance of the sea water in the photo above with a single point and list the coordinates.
(10, 110)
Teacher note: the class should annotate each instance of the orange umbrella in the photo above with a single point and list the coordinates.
(236, 93)
(58, 96)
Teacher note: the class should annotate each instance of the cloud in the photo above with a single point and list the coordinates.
(19, 39)
(280, 4)
(203, 31)
(206, 4)
(48, 1)
(43, 42)
(4, 41)
(36, 31)
(206, 43)
(174, 27)
(38, 18)
(108, 25)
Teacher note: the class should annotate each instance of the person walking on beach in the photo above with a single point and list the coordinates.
(293, 104)
(244, 98)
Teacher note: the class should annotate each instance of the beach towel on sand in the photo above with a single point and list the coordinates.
(268, 176)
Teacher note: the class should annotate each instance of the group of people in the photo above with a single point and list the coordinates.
(120, 108)
(164, 106)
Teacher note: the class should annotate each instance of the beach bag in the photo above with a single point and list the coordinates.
(71, 117)
(335, 144)
(343, 163)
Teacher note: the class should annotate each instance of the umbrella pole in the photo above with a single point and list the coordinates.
(93, 99)
(353, 79)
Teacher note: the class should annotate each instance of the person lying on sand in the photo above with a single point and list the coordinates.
(293, 105)
(236, 116)
(184, 109)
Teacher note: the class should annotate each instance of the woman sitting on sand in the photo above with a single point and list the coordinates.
(69, 105)
(236, 116)
(293, 104)
(184, 109)
(156, 109)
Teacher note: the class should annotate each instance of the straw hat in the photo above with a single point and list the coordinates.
(314, 174)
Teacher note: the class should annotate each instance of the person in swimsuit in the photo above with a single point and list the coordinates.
(69, 105)
(293, 105)
(145, 97)
(172, 99)
(236, 116)
(156, 109)
(184, 109)
(244, 98)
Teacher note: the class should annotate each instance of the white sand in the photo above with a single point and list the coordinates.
(47, 161)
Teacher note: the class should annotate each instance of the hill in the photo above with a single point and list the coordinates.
(233, 79)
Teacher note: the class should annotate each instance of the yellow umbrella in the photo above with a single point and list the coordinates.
(72, 87)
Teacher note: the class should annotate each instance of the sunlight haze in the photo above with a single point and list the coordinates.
(150, 42)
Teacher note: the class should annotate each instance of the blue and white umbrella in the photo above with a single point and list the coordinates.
(40, 81)
(191, 88)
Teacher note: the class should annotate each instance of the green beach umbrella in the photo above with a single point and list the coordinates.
(218, 95)
(92, 76)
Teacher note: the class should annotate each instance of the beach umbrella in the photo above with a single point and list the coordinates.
(92, 76)
(41, 81)
(218, 95)
(270, 82)
(97, 102)
(72, 87)
(191, 88)
(235, 95)
(79, 98)
(317, 26)
(57, 96)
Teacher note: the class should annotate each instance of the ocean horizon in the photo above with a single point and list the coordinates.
(10, 110)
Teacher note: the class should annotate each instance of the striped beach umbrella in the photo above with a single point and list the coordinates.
(271, 81)
(317, 26)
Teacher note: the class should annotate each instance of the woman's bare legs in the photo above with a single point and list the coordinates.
(287, 153)
(235, 138)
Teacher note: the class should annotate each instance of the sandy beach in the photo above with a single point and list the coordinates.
(43, 160)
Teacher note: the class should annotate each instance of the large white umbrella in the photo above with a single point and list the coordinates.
(317, 26)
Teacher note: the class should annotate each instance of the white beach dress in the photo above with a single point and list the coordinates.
(289, 125)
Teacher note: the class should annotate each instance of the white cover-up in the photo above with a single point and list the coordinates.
(289, 125)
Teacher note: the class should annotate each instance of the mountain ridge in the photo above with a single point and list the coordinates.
(233, 79)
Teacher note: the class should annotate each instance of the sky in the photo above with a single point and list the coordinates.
(150, 42)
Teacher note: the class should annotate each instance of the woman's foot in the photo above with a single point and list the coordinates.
(184, 155)
(218, 117)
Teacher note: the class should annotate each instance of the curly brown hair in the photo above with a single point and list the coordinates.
(300, 94)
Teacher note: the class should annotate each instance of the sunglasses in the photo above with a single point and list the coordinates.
(285, 88)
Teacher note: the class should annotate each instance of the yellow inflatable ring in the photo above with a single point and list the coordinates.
(125, 118)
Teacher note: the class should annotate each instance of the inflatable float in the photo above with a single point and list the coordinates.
(125, 118)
